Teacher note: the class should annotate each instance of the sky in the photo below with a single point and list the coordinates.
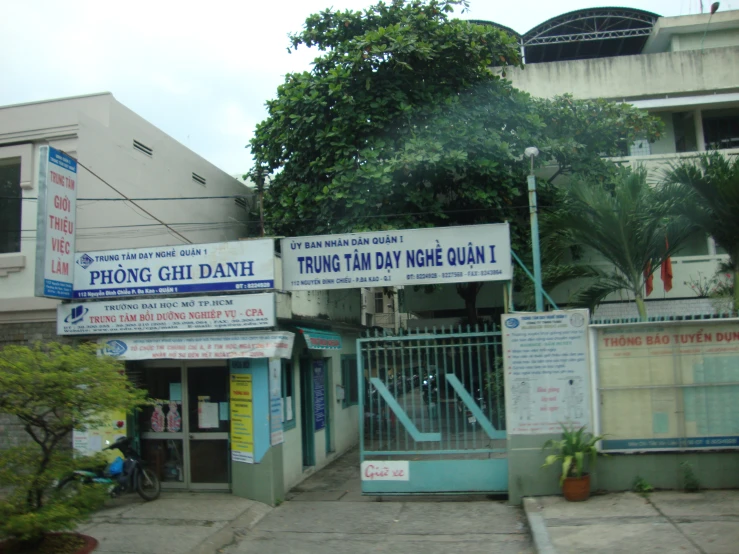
(200, 71)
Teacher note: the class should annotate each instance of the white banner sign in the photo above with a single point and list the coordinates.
(227, 266)
(546, 371)
(57, 209)
(378, 470)
(200, 347)
(390, 258)
(192, 313)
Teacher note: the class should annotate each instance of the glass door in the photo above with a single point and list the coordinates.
(208, 427)
(161, 426)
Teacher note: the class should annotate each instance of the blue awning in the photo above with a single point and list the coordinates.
(321, 340)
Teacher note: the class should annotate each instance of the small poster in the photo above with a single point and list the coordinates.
(242, 423)
(275, 401)
(94, 439)
(174, 419)
(319, 395)
(175, 392)
(223, 411)
(546, 371)
(208, 415)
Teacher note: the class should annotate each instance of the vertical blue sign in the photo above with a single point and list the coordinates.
(319, 395)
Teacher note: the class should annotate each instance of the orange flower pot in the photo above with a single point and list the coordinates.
(576, 489)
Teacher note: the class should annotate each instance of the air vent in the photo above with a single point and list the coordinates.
(141, 147)
(240, 202)
(198, 179)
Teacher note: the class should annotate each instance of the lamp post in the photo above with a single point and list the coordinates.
(531, 152)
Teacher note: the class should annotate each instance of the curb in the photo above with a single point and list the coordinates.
(538, 527)
(234, 531)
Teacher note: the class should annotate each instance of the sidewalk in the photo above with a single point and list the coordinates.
(327, 514)
(177, 523)
(704, 522)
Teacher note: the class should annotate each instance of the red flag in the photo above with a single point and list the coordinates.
(666, 270)
(648, 279)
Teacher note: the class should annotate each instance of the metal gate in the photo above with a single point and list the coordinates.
(433, 412)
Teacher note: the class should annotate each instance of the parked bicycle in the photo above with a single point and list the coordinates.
(121, 475)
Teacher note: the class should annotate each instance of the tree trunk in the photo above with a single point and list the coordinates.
(641, 307)
(468, 292)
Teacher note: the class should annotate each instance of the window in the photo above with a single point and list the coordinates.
(640, 147)
(10, 205)
(288, 398)
(349, 380)
(721, 128)
(379, 300)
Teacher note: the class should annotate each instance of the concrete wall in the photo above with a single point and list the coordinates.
(714, 39)
(628, 77)
(616, 472)
(336, 305)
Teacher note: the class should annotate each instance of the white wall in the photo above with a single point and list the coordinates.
(100, 132)
(713, 39)
(446, 298)
(336, 305)
(630, 77)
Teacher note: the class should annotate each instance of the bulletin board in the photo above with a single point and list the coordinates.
(669, 387)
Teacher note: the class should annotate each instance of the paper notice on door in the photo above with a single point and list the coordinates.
(208, 415)
(175, 392)
(289, 408)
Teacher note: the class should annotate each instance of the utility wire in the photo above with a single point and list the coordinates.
(183, 237)
(134, 199)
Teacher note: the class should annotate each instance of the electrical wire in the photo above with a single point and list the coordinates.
(104, 199)
(152, 216)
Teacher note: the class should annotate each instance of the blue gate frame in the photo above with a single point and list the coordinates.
(432, 404)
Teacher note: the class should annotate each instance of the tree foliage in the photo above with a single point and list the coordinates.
(706, 193)
(406, 120)
(610, 238)
(53, 389)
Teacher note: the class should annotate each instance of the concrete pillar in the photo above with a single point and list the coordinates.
(700, 139)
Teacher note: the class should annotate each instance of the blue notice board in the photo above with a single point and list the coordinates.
(319, 395)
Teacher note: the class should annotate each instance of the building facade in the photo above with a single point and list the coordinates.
(683, 70)
(148, 205)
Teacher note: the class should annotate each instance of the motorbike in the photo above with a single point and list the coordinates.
(121, 475)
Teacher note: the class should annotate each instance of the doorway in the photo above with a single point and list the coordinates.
(307, 424)
(185, 435)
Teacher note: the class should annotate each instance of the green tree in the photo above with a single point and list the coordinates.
(610, 237)
(53, 389)
(706, 193)
(406, 120)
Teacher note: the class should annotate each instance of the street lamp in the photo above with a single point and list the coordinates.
(531, 152)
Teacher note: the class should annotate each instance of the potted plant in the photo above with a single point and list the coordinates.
(574, 450)
(51, 389)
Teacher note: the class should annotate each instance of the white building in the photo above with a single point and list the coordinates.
(116, 149)
(123, 157)
(684, 70)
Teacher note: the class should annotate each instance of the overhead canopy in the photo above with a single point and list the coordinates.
(321, 340)
(585, 34)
